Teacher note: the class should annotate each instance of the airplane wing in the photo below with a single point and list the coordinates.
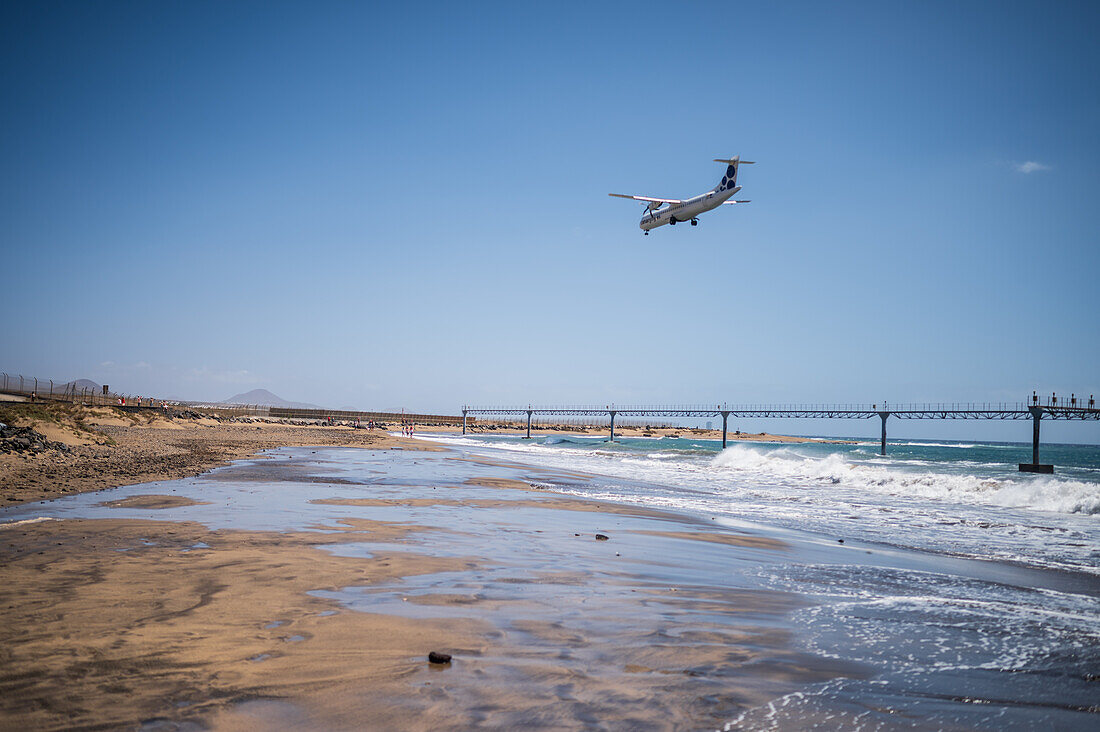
(730, 203)
(650, 199)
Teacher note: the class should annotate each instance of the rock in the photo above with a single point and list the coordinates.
(437, 657)
(602, 537)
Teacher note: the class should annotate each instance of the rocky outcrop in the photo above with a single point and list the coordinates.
(25, 439)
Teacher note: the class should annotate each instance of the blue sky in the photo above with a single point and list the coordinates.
(382, 206)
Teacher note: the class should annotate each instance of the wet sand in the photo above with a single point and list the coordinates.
(120, 623)
(306, 589)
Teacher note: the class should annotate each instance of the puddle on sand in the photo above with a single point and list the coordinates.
(277, 495)
(261, 714)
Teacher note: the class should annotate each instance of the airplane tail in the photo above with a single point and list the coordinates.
(729, 180)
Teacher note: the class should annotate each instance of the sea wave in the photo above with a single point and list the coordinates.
(1044, 493)
(562, 441)
(933, 444)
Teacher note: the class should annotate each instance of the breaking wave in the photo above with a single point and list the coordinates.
(1044, 493)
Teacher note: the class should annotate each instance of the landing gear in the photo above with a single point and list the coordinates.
(647, 232)
(671, 220)
(695, 222)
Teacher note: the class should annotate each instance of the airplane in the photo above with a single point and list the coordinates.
(676, 210)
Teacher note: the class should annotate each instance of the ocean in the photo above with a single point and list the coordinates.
(970, 590)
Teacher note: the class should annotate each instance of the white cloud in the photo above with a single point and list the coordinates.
(1031, 167)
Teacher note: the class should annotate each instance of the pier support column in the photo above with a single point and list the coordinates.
(528, 437)
(612, 426)
(463, 421)
(1036, 417)
(1034, 466)
(725, 418)
(883, 416)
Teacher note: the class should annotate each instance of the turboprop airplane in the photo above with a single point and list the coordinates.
(676, 210)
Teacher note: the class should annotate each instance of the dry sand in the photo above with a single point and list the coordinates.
(110, 447)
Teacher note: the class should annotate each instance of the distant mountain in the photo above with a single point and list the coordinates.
(81, 384)
(265, 398)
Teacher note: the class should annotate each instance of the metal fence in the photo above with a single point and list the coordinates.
(345, 415)
(36, 389)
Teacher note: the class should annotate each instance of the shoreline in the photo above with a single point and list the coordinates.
(95, 448)
(690, 433)
(301, 596)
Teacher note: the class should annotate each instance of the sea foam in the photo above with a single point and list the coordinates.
(1044, 493)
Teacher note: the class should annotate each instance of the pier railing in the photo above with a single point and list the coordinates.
(861, 410)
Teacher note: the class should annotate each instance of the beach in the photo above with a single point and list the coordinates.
(245, 616)
(104, 447)
(576, 584)
(92, 448)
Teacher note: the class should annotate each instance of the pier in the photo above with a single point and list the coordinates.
(1036, 409)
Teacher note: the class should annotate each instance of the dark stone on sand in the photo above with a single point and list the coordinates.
(602, 537)
(437, 657)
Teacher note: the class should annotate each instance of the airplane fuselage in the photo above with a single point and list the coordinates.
(686, 210)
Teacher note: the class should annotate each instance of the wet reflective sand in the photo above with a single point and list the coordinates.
(307, 589)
